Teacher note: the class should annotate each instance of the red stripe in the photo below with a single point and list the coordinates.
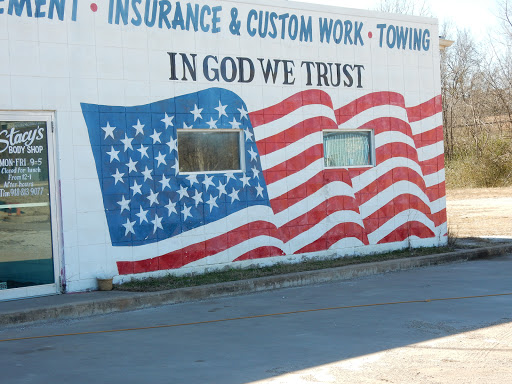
(411, 228)
(315, 183)
(335, 234)
(309, 97)
(395, 175)
(429, 137)
(317, 214)
(261, 253)
(294, 133)
(293, 165)
(388, 124)
(431, 166)
(427, 109)
(366, 102)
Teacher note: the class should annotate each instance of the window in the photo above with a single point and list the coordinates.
(348, 148)
(209, 151)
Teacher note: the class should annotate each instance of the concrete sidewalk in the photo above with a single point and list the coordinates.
(95, 303)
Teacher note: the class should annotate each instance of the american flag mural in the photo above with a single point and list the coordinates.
(284, 201)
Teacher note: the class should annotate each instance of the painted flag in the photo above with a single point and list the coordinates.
(286, 201)
(146, 197)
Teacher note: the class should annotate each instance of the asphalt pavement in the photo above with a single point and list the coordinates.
(330, 333)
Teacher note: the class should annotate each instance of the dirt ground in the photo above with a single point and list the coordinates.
(485, 212)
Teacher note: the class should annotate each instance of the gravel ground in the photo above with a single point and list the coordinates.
(485, 212)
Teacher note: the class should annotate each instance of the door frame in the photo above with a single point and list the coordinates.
(55, 205)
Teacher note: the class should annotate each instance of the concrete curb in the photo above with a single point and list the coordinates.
(95, 303)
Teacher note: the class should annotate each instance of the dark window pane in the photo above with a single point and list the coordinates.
(208, 151)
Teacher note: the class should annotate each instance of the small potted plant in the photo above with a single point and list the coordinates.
(104, 282)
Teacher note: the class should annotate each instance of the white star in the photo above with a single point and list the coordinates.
(197, 112)
(185, 126)
(186, 212)
(129, 227)
(142, 215)
(176, 167)
(234, 195)
(167, 120)
(259, 190)
(192, 179)
(125, 204)
(118, 176)
(171, 207)
(256, 173)
(165, 182)
(157, 223)
(235, 124)
(131, 166)
(139, 128)
(230, 175)
(109, 131)
(147, 173)
(212, 202)
(198, 197)
(248, 134)
(155, 136)
(253, 154)
(161, 159)
(143, 151)
(136, 188)
(182, 191)
(113, 154)
(222, 189)
(245, 180)
(243, 113)
(173, 145)
(212, 123)
(127, 143)
(222, 110)
(207, 182)
(153, 198)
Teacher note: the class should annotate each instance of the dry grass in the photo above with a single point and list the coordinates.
(235, 274)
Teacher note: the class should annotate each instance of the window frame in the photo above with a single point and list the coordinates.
(55, 204)
(241, 151)
(372, 147)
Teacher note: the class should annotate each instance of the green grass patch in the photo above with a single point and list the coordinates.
(235, 274)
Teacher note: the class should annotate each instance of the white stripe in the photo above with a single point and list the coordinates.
(322, 227)
(291, 150)
(265, 131)
(336, 188)
(362, 181)
(396, 189)
(438, 205)
(233, 253)
(435, 178)
(427, 124)
(375, 113)
(286, 184)
(393, 111)
(347, 242)
(430, 151)
(393, 137)
(400, 219)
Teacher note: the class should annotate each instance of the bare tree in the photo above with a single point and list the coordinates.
(407, 7)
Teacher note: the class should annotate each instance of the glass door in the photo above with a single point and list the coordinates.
(27, 198)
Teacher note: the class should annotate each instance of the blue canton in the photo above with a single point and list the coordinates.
(146, 199)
